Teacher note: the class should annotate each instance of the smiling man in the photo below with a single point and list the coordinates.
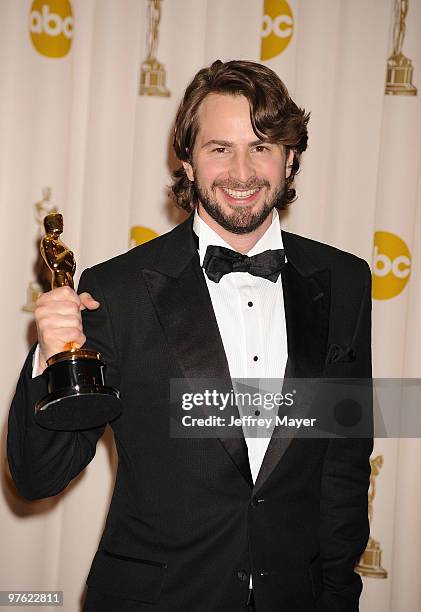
(228, 523)
(238, 181)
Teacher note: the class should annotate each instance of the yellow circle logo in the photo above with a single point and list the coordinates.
(51, 27)
(391, 265)
(140, 234)
(277, 28)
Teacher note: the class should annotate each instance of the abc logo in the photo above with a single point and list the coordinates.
(140, 234)
(51, 27)
(277, 28)
(391, 265)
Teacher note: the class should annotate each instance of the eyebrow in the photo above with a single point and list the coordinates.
(227, 143)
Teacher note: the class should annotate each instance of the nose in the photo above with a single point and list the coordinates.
(242, 168)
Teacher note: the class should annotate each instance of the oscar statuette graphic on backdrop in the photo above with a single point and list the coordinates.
(77, 395)
(152, 73)
(37, 286)
(370, 564)
(399, 67)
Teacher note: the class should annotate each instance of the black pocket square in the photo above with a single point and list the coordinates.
(340, 353)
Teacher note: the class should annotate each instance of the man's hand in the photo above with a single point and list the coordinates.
(58, 319)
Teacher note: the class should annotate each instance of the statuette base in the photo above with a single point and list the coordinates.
(370, 564)
(77, 396)
(152, 79)
(399, 76)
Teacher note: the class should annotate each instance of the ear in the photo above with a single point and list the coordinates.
(289, 163)
(188, 170)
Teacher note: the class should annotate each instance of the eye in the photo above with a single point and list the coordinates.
(219, 150)
(261, 148)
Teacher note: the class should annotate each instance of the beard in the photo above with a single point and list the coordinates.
(241, 220)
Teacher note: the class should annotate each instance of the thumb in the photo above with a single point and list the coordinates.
(87, 301)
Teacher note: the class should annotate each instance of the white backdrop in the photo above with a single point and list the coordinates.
(76, 123)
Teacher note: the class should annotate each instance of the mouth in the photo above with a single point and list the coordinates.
(241, 195)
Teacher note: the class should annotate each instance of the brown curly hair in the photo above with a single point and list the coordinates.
(274, 116)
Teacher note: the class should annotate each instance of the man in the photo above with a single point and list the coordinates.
(216, 524)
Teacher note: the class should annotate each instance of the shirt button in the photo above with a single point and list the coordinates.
(242, 575)
(256, 501)
(255, 358)
(250, 304)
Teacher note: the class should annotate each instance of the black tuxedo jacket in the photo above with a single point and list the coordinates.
(186, 525)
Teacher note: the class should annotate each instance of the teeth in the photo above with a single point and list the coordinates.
(240, 194)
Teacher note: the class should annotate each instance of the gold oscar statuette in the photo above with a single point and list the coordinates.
(152, 72)
(399, 67)
(77, 396)
(370, 564)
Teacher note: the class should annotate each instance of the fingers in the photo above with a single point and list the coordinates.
(87, 301)
(59, 321)
(54, 340)
(58, 294)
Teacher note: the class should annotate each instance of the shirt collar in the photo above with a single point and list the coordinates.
(271, 239)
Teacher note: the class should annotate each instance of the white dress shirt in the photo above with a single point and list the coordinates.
(251, 318)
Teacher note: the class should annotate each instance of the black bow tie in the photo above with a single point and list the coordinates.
(219, 261)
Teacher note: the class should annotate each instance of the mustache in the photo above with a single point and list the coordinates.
(232, 184)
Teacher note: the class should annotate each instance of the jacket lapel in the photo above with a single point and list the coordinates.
(306, 290)
(181, 299)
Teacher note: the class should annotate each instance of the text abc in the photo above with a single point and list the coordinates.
(270, 25)
(400, 266)
(50, 23)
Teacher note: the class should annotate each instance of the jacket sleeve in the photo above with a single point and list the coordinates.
(344, 526)
(43, 462)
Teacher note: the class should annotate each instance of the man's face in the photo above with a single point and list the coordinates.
(238, 177)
